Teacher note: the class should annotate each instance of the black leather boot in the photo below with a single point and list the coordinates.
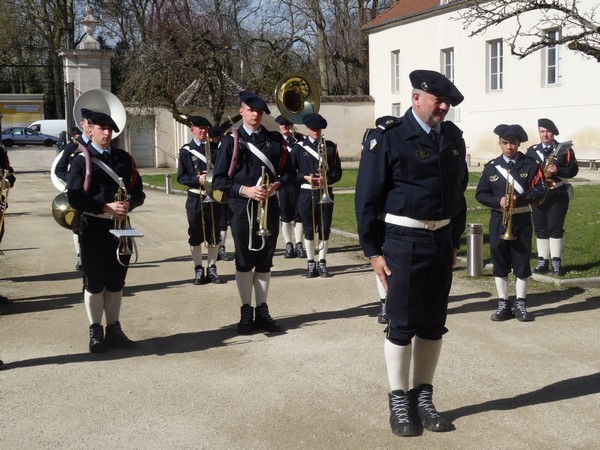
(246, 317)
(300, 250)
(97, 338)
(430, 418)
(199, 277)
(289, 251)
(401, 420)
(116, 338)
(212, 276)
(503, 312)
(311, 271)
(556, 267)
(541, 266)
(223, 255)
(263, 320)
(521, 311)
(322, 268)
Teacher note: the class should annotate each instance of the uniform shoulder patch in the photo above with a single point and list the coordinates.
(386, 123)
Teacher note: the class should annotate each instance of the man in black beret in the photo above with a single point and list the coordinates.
(318, 166)
(252, 165)
(549, 216)
(509, 185)
(93, 195)
(410, 201)
(291, 221)
(195, 160)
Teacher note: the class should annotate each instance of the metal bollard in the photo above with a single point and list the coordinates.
(167, 183)
(474, 249)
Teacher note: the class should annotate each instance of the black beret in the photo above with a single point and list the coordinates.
(283, 120)
(215, 131)
(514, 130)
(85, 112)
(99, 118)
(437, 84)
(314, 121)
(382, 121)
(198, 121)
(548, 125)
(254, 101)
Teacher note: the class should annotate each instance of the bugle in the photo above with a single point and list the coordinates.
(207, 196)
(123, 231)
(263, 206)
(323, 188)
(507, 213)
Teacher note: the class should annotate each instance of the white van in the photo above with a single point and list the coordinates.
(51, 127)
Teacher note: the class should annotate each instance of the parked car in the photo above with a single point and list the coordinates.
(26, 136)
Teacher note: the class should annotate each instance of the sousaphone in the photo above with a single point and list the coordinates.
(296, 96)
(97, 100)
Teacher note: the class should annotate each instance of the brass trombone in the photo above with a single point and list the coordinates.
(207, 193)
(507, 213)
(324, 198)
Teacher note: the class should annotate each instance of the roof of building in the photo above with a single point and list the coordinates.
(405, 9)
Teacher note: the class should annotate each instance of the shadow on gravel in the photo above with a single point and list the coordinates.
(561, 390)
(195, 341)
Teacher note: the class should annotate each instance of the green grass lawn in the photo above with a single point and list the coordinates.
(580, 256)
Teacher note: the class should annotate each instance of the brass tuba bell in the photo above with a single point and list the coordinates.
(62, 211)
(297, 95)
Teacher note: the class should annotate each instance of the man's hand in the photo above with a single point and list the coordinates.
(118, 210)
(381, 269)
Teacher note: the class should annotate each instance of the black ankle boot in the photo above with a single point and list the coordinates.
(322, 269)
(116, 338)
(311, 271)
(300, 250)
(212, 275)
(541, 266)
(263, 320)
(401, 420)
(97, 338)
(289, 251)
(521, 311)
(246, 320)
(199, 277)
(556, 267)
(503, 312)
(430, 418)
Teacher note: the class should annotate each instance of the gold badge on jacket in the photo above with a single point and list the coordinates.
(494, 178)
(523, 175)
(422, 154)
(455, 152)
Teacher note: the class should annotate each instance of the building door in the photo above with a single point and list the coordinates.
(142, 141)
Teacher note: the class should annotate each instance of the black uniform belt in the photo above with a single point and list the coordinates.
(517, 210)
(404, 221)
(100, 216)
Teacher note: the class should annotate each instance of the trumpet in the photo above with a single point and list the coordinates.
(263, 206)
(507, 214)
(4, 189)
(122, 228)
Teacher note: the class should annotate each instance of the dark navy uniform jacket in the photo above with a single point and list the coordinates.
(190, 165)
(402, 173)
(249, 167)
(69, 152)
(102, 187)
(566, 163)
(306, 164)
(526, 171)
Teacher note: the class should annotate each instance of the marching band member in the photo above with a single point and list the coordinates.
(62, 169)
(251, 166)
(215, 134)
(8, 183)
(94, 197)
(549, 215)
(291, 220)
(413, 179)
(203, 217)
(316, 214)
(519, 175)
